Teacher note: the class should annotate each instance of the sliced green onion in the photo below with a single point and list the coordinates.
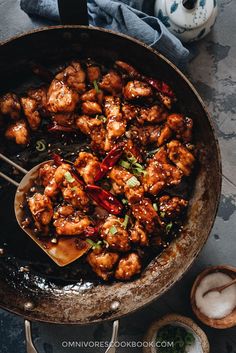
(106, 243)
(95, 84)
(132, 182)
(126, 221)
(155, 207)
(162, 214)
(113, 230)
(169, 226)
(150, 153)
(102, 118)
(132, 159)
(125, 201)
(40, 145)
(124, 164)
(93, 244)
(69, 177)
(75, 188)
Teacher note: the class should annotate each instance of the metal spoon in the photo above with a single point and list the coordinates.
(65, 250)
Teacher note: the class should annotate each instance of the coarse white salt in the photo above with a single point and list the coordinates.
(216, 305)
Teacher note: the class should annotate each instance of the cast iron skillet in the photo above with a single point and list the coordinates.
(44, 292)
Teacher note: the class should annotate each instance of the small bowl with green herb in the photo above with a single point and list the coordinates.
(175, 334)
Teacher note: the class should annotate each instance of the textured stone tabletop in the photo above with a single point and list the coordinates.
(213, 71)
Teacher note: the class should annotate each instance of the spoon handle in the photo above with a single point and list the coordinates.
(221, 288)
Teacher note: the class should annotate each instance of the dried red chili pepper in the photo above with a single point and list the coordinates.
(59, 128)
(104, 199)
(110, 160)
(160, 86)
(91, 231)
(58, 160)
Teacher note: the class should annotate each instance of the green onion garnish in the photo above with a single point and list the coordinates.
(124, 164)
(162, 214)
(126, 221)
(180, 338)
(75, 188)
(113, 230)
(125, 201)
(40, 145)
(93, 244)
(150, 153)
(95, 84)
(132, 182)
(69, 177)
(169, 226)
(155, 207)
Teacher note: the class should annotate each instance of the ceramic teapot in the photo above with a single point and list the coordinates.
(188, 20)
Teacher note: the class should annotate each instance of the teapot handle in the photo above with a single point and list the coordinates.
(73, 12)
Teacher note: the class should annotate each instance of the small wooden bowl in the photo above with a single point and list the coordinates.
(229, 320)
(176, 320)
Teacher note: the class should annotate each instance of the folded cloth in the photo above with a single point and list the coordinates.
(126, 16)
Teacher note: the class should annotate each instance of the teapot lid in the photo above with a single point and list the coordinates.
(189, 18)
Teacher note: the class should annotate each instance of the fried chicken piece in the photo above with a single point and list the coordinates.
(115, 235)
(60, 172)
(181, 156)
(93, 73)
(172, 207)
(94, 128)
(160, 173)
(75, 195)
(130, 111)
(40, 96)
(165, 134)
(64, 119)
(42, 211)
(119, 177)
(10, 105)
(63, 210)
(46, 173)
(138, 235)
(129, 266)
(18, 132)
(61, 98)
(112, 83)
(136, 90)
(103, 262)
(131, 149)
(74, 224)
(88, 166)
(91, 96)
(181, 125)
(73, 76)
(145, 213)
(53, 187)
(116, 125)
(150, 134)
(154, 114)
(30, 108)
(91, 108)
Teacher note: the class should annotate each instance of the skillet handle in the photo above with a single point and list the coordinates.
(73, 12)
(30, 348)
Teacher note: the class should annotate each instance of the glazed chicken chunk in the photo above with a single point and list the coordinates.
(93, 73)
(160, 173)
(129, 266)
(111, 83)
(73, 224)
(40, 96)
(136, 90)
(138, 235)
(88, 166)
(94, 128)
(120, 177)
(113, 232)
(73, 76)
(42, 211)
(154, 114)
(18, 132)
(157, 135)
(182, 126)
(116, 125)
(30, 109)
(181, 156)
(46, 173)
(103, 262)
(145, 213)
(10, 105)
(172, 207)
(91, 108)
(61, 98)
